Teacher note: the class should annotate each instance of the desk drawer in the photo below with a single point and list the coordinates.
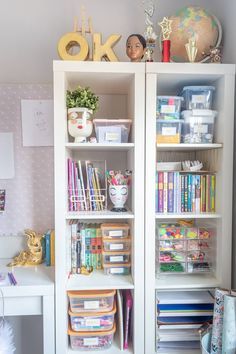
(22, 306)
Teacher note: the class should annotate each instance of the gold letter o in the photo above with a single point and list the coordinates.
(67, 41)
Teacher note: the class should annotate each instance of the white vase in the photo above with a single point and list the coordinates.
(80, 126)
(118, 195)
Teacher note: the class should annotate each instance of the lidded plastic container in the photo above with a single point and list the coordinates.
(168, 131)
(117, 268)
(92, 340)
(91, 300)
(112, 130)
(115, 230)
(168, 107)
(113, 244)
(92, 321)
(198, 126)
(197, 97)
(117, 257)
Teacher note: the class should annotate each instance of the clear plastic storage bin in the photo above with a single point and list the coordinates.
(168, 131)
(117, 257)
(112, 130)
(117, 268)
(114, 245)
(91, 300)
(89, 341)
(90, 321)
(168, 107)
(115, 230)
(198, 97)
(198, 126)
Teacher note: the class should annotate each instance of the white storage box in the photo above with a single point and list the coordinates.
(198, 126)
(112, 130)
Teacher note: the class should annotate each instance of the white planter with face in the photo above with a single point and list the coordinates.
(79, 124)
(118, 195)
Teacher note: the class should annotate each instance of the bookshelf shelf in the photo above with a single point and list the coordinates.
(87, 215)
(100, 147)
(98, 280)
(187, 147)
(169, 79)
(160, 216)
(188, 281)
(121, 91)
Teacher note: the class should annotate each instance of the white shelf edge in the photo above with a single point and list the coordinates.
(159, 216)
(99, 146)
(99, 215)
(187, 147)
(186, 281)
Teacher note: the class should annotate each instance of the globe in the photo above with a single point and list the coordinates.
(193, 23)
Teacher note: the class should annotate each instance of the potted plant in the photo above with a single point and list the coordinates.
(81, 104)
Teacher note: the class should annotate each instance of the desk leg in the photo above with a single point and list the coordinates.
(48, 325)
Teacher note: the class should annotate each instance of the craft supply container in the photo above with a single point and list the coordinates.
(117, 257)
(91, 300)
(168, 131)
(115, 230)
(113, 245)
(117, 268)
(198, 97)
(88, 341)
(92, 321)
(112, 130)
(168, 107)
(198, 126)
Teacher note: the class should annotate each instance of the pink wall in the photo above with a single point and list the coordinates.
(30, 194)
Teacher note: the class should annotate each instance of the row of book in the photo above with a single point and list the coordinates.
(178, 192)
(86, 185)
(179, 317)
(85, 247)
(48, 245)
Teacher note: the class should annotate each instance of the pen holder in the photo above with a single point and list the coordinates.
(118, 195)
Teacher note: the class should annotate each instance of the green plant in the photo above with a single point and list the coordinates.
(82, 97)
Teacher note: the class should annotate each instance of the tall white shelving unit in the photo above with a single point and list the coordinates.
(168, 79)
(121, 87)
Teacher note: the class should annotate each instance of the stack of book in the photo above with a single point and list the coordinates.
(180, 314)
(178, 192)
(86, 185)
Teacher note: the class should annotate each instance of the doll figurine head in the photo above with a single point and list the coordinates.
(135, 47)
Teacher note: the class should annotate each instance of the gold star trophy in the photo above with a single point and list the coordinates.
(191, 49)
(166, 30)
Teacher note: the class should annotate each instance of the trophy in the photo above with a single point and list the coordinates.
(165, 25)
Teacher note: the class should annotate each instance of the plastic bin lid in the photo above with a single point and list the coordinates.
(171, 97)
(115, 226)
(116, 240)
(91, 293)
(198, 88)
(102, 120)
(169, 121)
(92, 333)
(117, 253)
(93, 314)
(116, 265)
(208, 114)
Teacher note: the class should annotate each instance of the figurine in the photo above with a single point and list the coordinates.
(135, 47)
(34, 254)
(214, 55)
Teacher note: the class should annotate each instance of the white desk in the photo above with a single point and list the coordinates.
(33, 295)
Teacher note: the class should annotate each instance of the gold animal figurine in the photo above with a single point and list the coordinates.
(34, 255)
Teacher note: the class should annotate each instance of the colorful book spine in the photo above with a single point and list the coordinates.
(88, 258)
(212, 193)
(47, 248)
(198, 193)
(156, 192)
(165, 192)
(52, 248)
(170, 201)
(128, 303)
(203, 194)
(160, 192)
(189, 189)
(99, 247)
(93, 247)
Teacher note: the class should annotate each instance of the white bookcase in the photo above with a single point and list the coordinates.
(169, 79)
(121, 88)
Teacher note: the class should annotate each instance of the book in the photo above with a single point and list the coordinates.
(52, 248)
(128, 303)
(47, 248)
(120, 320)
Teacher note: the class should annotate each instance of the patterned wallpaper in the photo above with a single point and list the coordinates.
(30, 194)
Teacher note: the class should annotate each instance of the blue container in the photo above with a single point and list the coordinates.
(198, 97)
